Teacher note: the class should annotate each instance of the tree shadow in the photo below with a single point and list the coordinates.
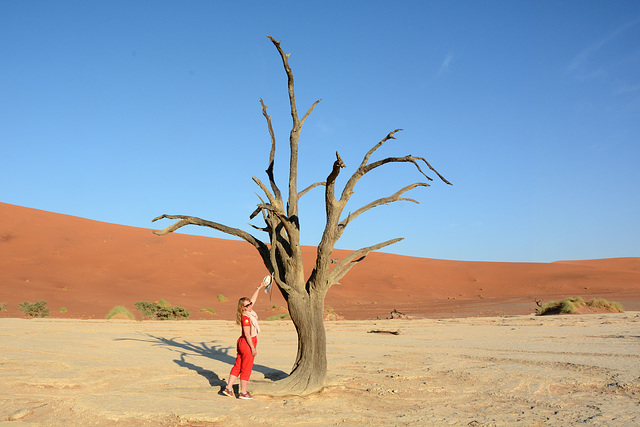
(210, 351)
(212, 377)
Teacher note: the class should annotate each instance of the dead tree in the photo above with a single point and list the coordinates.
(283, 256)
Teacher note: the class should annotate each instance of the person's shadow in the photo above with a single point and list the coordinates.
(216, 352)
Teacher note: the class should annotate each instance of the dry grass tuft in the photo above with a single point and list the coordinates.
(120, 312)
(573, 305)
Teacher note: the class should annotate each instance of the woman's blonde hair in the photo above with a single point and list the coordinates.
(241, 302)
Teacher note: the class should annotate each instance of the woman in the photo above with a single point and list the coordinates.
(246, 345)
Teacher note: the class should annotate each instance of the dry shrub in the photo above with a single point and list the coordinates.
(120, 312)
(573, 305)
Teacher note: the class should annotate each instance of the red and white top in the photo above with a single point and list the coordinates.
(251, 319)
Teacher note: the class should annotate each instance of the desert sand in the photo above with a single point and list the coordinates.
(510, 370)
(472, 353)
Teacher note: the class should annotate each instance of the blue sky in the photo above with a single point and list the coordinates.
(121, 111)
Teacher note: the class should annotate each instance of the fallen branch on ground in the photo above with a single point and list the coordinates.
(385, 332)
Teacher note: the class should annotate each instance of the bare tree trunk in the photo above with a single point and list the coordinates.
(310, 367)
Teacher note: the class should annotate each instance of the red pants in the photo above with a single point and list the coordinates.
(244, 359)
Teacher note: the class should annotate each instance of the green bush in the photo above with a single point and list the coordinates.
(63, 309)
(209, 310)
(154, 310)
(120, 312)
(3, 306)
(145, 308)
(35, 309)
(222, 298)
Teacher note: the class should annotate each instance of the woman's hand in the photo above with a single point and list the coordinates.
(254, 352)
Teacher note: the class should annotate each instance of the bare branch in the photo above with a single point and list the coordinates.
(437, 173)
(274, 206)
(255, 213)
(309, 188)
(309, 111)
(287, 68)
(264, 188)
(383, 201)
(389, 136)
(191, 220)
(286, 223)
(294, 136)
(276, 269)
(333, 210)
(337, 165)
(348, 262)
(265, 229)
(331, 180)
(272, 153)
(278, 244)
(365, 167)
(406, 159)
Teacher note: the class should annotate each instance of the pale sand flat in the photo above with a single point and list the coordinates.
(522, 370)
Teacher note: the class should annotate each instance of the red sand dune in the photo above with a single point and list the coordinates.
(88, 267)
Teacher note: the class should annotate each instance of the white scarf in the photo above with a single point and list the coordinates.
(253, 317)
